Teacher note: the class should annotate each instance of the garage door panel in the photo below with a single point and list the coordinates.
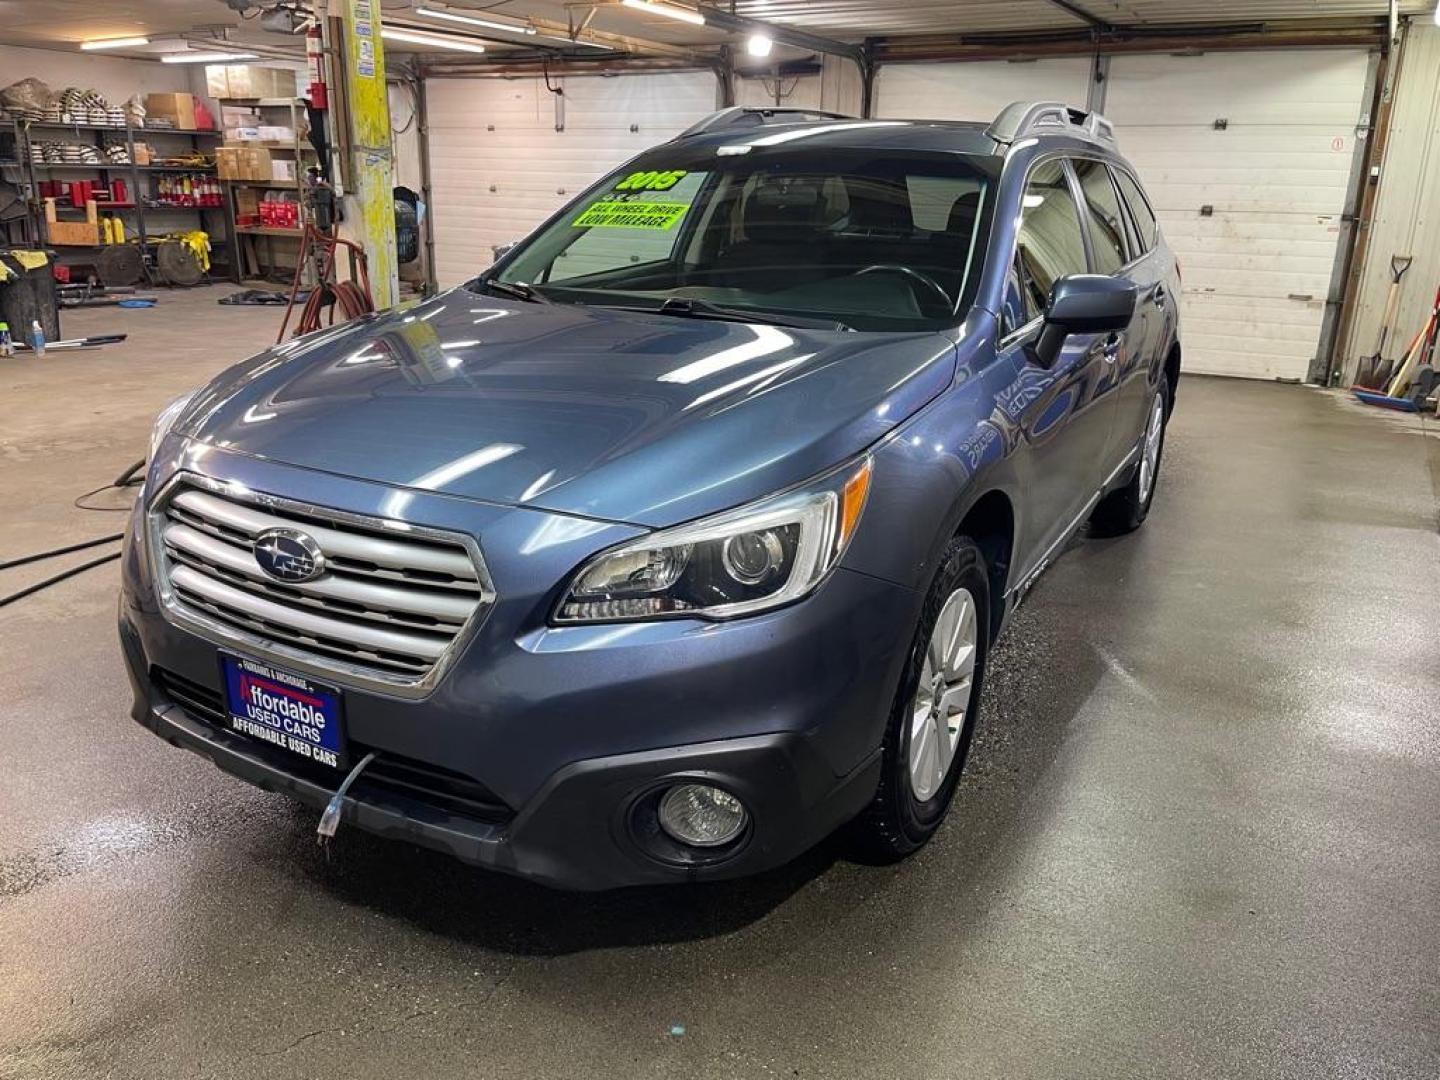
(977, 90)
(499, 168)
(1274, 180)
(1280, 88)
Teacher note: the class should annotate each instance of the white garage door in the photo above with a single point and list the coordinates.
(498, 167)
(1257, 264)
(977, 90)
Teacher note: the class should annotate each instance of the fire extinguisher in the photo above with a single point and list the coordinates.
(315, 61)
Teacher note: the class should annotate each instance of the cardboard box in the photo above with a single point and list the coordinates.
(242, 134)
(274, 133)
(142, 153)
(257, 163)
(177, 108)
(249, 81)
(228, 163)
(283, 170)
(247, 203)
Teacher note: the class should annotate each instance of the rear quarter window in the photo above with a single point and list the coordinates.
(1140, 211)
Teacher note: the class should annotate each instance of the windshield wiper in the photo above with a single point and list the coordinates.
(517, 290)
(689, 308)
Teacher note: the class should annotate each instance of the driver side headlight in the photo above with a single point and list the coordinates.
(740, 562)
(166, 420)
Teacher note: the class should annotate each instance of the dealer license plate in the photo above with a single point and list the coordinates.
(285, 710)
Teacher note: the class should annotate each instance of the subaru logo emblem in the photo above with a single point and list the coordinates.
(289, 555)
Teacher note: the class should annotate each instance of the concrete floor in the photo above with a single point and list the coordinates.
(1197, 838)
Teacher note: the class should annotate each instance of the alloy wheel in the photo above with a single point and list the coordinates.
(1150, 453)
(937, 713)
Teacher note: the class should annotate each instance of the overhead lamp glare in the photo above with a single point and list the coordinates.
(471, 20)
(759, 45)
(670, 11)
(207, 57)
(114, 43)
(438, 41)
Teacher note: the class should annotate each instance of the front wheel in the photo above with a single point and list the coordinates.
(1125, 509)
(933, 716)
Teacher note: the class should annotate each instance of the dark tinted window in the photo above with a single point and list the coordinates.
(1050, 245)
(1102, 211)
(1139, 209)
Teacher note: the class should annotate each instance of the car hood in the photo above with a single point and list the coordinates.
(623, 416)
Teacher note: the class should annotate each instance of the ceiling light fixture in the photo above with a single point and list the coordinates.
(759, 45)
(670, 11)
(470, 20)
(438, 41)
(1437, 14)
(114, 43)
(207, 57)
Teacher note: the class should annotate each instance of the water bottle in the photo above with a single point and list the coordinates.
(37, 338)
(7, 348)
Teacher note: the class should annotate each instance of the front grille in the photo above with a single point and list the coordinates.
(441, 789)
(390, 605)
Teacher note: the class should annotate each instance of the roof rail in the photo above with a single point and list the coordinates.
(1020, 119)
(744, 116)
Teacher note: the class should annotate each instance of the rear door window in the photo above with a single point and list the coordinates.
(1103, 215)
(1140, 210)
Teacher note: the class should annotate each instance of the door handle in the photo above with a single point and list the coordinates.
(1112, 347)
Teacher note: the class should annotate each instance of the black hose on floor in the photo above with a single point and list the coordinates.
(66, 550)
(57, 578)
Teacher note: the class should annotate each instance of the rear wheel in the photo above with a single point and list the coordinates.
(933, 716)
(1125, 509)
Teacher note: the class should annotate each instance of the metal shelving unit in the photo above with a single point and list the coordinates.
(304, 155)
(142, 199)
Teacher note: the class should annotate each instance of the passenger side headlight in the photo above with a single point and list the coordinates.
(736, 563)
(166, 420)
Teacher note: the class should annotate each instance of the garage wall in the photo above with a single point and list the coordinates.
(1258, 267)
(116, 78)
(977, 90)
(499, 167)
(1258, 262)
(835, 88)
(1407, 208)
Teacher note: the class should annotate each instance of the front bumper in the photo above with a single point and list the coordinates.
(567, 733)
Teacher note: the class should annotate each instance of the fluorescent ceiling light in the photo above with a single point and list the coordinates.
(207, 57)
(759, 45)
(573, 41)
(670, 11)
(470, 20)
(439, 41)
(114, 43)
(1437, 14)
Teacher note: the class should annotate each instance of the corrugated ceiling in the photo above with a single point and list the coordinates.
(64, 23)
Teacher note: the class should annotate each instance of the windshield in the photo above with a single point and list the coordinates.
(868, 239)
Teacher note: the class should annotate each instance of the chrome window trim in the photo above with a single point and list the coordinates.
(337, 672)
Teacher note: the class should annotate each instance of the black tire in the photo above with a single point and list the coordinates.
(896, 823)
(1123, 510)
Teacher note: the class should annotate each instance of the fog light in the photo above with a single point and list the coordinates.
(701, 815)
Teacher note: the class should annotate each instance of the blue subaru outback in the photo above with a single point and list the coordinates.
(680, 537)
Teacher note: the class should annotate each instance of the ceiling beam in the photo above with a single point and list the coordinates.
(784, 35)
(1080, 13)
(1120, 39)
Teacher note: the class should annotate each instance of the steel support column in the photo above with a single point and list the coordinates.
(370, 174)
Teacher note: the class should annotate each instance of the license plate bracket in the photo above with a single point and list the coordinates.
(285, 710)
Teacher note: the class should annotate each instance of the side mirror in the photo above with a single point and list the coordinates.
(1083, 304)
(499, 251)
